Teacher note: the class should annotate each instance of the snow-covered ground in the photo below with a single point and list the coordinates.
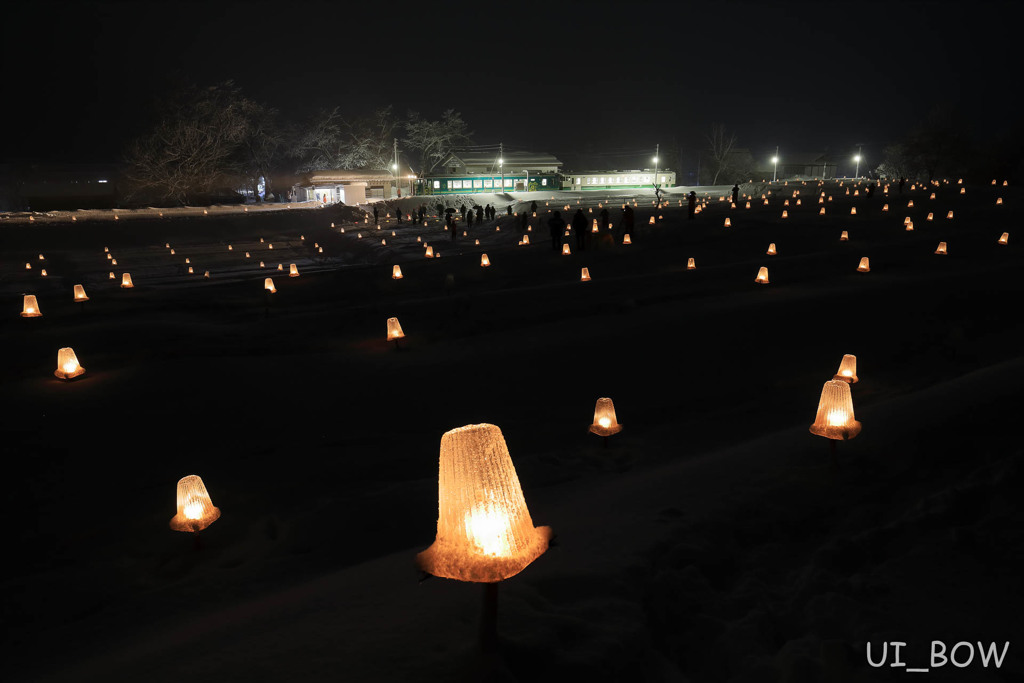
(712, 540)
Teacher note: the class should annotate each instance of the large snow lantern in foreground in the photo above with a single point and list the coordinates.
(1004, 238)
(68, 366)
(80, 293)
(605, 423)
(126, 281)
(268, 285)
(396, 272)
(394, 330)
(762, 276)
(835, 419)
(847, 369)
(30, 307)
(195, 509)
(293, 270)
(865, 265)
(484, 530)
(941, 250)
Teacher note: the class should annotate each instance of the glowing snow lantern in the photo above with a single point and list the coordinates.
(68, 366)
(396, 272)
(930, 217)
(270, 246)
(565, 249)
(293, 270)
(230, 248)
(190, 268)
(785, 214)
(1004, 238)
(728, 223)
(526, 239)
(246, 254)
(651, 222)
(167, 245)
(1005, 183)
(111, 276)
(822, 211)
(771, 249)
(430, 252)
(999, 200)
(626, 240)
(785, 202)
(476, 242)
(910, 225)
(395, 330)
(30, 307)
(280, 266)
(864, 266)
(268, 285)
(195, 509)
(853, 210)
(113, 261)
(690, 264)
(910, 204)
(80, 293)
(844, 236)
(585, 275)
(762, 276)
(261, 266)
(835, 419)
(993, 181)
(963, 190)
(484, 261)
(42, 273)
(172, 252)
(847, 369)
(941, 250)
(932, 196)
(42, 258)
(206, 275)
(949, 215)
(605, 423)
(28, 266)
(484, 530)
(747, 206)
(187, 261)
(126, 281)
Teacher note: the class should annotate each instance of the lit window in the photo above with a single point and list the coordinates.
(488, 182)
(455, 184)
(437, 184)
(663, 179)
(509, 182)
(477, 183)
(544, 181)
(618, 179)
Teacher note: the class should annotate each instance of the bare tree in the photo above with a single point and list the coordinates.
(332, 141)
(435, 139)
(720, 146)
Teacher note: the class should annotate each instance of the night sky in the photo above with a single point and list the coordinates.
(603, 77)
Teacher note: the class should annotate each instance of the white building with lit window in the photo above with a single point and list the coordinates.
(610, 180)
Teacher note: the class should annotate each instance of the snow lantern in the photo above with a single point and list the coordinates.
(262, 265)
(690, 264)
(396, 272)
(484, 530)
(476, 242)
(68, 366)
(430, 252)
(835, 419)
(585, 275)
(190, 268)
(484, 261)
(910, 204)
(320, 250)
(932, 196)
(280, 266)
(844, 236)
(113, 261)
(394, 330)
(1004, 238)
(771, 249)
(293, 270)
(651, 222)
(172, 252)
(909, 226)
(885, 208)
(126, 281)
(526, 239)
(626, 240)
(728, 223)
(762, 276)
(246, 254)
(30, 307)
(605, 423)
(28, 266)
(268, 285)
(111, 276)
(42, 272)
(565, 249)
(80, 293)
(42, 258)
(999, 200)
(747, 206)
(865, 266)
(963, 190)
(949, 215)
(195, 509)
(230, 248)
(930, 217)
(941, 250)
(270, 246)
(853, 210)
(847, 369)
(822, 211)
(785, 214)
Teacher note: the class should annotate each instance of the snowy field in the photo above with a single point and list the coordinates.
(713, 539)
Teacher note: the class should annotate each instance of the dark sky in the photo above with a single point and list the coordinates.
(610, 77)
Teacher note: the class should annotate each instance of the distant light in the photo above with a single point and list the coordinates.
(500, 162)
(655, 159)
(394, 166)
(857, 158)
(101, 181)
(775, 160)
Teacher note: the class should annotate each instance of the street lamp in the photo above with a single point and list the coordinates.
(775, 173)
(857, 159)
(657, 149)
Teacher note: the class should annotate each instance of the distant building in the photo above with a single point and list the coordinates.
(470, 172)
(351, 186)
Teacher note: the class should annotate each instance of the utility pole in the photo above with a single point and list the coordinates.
(657, 148)
(501, 164)
(775, 159)
(394, 167)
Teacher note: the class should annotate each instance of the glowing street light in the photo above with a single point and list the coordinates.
(775, 160)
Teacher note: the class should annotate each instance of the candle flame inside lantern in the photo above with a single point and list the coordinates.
(690, 264)
(80, 293)
(864, 266)
(293, 270)
(68, 366)
(484, 530)
(396, 272)
(30, 307)
(848, 368)
(771, 249)
(394, 329)
(484, 261)
(835, 418)
(565, 249)
(762, 276)
(585, 275)
(605, 422)
(728, 223)
(268, 285)
(195, 509)
(126, 281)
(430, 252)
(626, 239)
(1004, 238)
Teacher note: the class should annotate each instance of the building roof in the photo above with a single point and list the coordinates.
(344, 175)
(512, 160)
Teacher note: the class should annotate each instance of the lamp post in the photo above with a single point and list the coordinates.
(657, 149)
(857, 159)
(775, 160)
